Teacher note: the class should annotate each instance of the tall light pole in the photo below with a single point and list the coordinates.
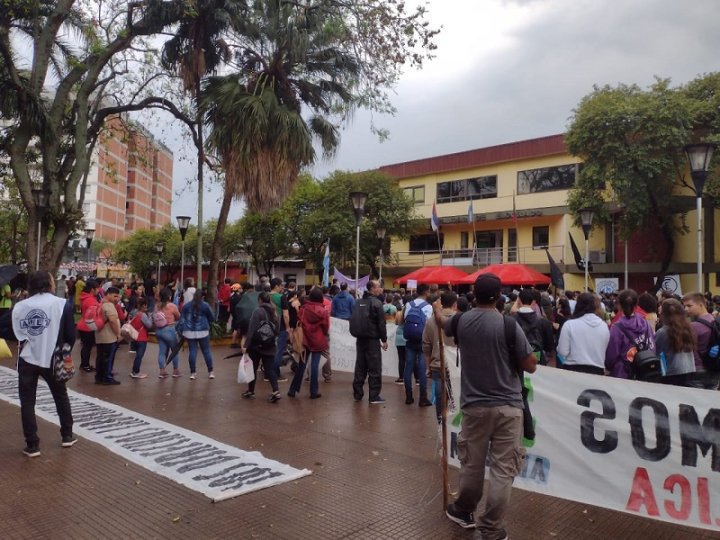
(40, 198)
(159, 248)
(89, 235)
(586, 216)
(699, 156)
(183, 224)
(358, 200)
(381, 238)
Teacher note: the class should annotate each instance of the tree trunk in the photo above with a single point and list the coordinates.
(217, 248)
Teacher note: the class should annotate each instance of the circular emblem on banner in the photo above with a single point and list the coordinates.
(35, 322)
(670, 284)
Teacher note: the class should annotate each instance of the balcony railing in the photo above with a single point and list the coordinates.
(478, 256)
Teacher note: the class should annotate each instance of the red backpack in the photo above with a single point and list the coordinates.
(94, 318)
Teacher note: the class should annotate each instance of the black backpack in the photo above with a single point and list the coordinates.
(712, 363)
(360, 324)
(266, 333)
(646, 365)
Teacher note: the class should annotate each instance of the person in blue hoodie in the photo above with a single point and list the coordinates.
(196, 318)
(343, 304)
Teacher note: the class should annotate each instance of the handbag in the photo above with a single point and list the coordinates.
(62, 352)
(5, 351)
(246, 373)
(128, 331)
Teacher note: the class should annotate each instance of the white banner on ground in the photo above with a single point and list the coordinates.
(647, 449)
(216, 470)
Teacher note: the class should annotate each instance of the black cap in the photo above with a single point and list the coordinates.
(487, 288)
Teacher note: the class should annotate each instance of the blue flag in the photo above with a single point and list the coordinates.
(326, 265)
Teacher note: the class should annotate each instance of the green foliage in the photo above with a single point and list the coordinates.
(138, 250)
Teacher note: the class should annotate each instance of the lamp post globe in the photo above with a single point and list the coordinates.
(699, 156)
(183, 224)
(358, 200)
(586, 217)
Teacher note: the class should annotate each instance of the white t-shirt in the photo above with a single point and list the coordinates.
(189, 294)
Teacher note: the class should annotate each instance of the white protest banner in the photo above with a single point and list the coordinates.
(411, 284)
(671, 283)
(342, 348)
(607, 285)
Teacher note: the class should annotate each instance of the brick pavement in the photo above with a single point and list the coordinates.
(374, 471)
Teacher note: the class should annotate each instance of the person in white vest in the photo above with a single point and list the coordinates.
(37, 323)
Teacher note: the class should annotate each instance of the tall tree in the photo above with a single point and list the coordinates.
(631, 142)
(197, 49)
(301, 70)
(63, 122)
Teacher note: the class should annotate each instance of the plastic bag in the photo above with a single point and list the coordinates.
(245, 370)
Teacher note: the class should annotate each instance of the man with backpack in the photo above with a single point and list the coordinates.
(492, 405)
(367, 325)
(538, 331)
(415, 316)
(706, 333)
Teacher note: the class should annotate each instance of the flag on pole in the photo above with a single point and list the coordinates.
(434, 220)
(514, 212)
(556, 275)
(471, 214)
(579, 259)
(326, 265)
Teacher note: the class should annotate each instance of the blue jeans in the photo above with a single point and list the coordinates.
(437, 387)
(282, 342)
(205, 348)
(140, 347)
(167, 339)
(415, 356)
(300, 371)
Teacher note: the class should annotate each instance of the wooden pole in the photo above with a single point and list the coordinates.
(443, 421)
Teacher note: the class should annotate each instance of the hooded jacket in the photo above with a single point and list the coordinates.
(583, 341)
(342, 305)
(617, 360)
(315, 325)
(86, 300)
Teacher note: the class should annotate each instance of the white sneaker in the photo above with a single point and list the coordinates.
(193, 376)
(138, 375)
(211, 375)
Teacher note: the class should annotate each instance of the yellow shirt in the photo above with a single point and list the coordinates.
(79, 286)
(6, 298)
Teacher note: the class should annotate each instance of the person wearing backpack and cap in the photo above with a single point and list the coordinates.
(538, 330)
(492, 405)
(415, 315)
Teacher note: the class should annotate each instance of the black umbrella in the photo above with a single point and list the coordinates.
(7, 273)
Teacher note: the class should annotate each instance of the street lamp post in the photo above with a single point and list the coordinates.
(183, 224)
(40, 199)
(358, 199)
(699, 156)
(159, 248)
(586, 216)
(89, 235)
(381, 238)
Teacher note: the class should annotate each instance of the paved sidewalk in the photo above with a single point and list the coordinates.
(375, 475)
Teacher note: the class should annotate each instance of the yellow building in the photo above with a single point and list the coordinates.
(508, 203)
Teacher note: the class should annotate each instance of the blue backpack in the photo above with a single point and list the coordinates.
(415, 320)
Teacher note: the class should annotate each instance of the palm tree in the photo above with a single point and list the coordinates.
(198, 49)
(292, 77)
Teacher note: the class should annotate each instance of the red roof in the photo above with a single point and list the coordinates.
(533, 148)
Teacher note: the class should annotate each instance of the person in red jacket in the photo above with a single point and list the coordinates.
(141, 322)
(224, 293)
(315, 322)
(88, 299)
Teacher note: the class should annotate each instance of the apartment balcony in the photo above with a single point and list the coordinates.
(479, 257)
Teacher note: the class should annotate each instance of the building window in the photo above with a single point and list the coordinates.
(464, 236)
(416, 194)
(512, 245)
(483, 187)
(541, 237)
(425, 242)
(546, 179)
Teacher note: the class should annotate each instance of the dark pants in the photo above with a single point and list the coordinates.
(28, 375)
(111, 361)
(101, 362)
(437, 392)
(270, 373)
(140, 347)
(415, 363)
(300, 371)
(88, 342)
(401, 364)
(368, 364)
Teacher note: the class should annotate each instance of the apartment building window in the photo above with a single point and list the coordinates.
(416, 194)
(541, 237)
(425, 242)
(512, 245)
(464, 237)
(483, 187)
(546, 179)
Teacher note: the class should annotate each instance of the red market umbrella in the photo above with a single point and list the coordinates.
(511, 274)
(417, 274)
(443, 275)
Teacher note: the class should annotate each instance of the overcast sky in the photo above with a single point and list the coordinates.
(508, 70)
